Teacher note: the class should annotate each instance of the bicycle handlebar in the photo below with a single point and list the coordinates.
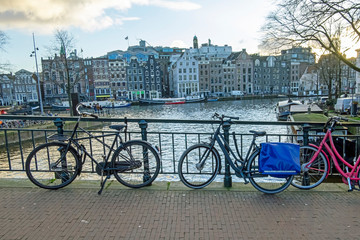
(221, 117)
(334, 120)
(84, 114)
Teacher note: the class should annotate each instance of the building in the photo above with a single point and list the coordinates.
(299, 58)
(185, 75)
(135, 80)
(230, 82)
(271, 75)
(25, 88)
(100, 68)
(89, 79)
(60, 72)
(210, 50)
(153, 77)
(117, 76)
(244, 71)
(204, 76)
(7, 91)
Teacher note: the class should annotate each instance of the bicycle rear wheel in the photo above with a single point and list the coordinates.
(49, 166)
(315, 173)
(265, 183)
(191, 173)
(136, 164)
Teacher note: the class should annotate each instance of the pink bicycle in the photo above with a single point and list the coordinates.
(315, 162)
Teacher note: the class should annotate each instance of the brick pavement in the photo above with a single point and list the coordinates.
(150, 213)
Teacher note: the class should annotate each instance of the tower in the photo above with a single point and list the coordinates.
(195, 42)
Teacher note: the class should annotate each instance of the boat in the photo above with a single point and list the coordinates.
(64, 105)
(194, 99)
(283, 109)
(175, 101)
(113, 104)
(162, 101)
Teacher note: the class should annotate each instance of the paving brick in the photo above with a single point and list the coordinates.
(79, 213)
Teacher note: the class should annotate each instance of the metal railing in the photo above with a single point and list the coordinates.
(17, 143)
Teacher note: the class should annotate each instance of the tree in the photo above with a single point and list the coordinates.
(66, 70)
(3, 42)
(322, 24)
(329, 69)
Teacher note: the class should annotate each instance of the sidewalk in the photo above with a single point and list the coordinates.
(172, 211)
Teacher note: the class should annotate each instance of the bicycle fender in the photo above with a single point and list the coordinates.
(326, 156)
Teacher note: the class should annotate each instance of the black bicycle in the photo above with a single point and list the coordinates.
(56, 164)
(200, 163)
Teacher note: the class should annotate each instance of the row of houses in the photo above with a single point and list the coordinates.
(146, 72)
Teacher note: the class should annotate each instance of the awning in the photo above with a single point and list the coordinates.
(103, 96)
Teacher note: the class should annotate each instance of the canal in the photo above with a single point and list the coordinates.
(171, 145)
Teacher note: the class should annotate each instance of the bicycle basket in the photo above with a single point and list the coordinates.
(279, 159)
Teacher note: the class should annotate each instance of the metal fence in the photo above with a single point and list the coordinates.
(17, 143)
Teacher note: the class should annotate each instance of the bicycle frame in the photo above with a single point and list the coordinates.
(82, 149)
(335, 156)
(219, 138)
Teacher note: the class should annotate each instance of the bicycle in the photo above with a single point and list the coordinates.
(56, 164)
(315, 162)
(200, 163)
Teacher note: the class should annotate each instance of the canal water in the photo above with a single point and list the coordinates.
(172, 145)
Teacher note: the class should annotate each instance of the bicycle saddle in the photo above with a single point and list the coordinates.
(256, 133)
(117, 127)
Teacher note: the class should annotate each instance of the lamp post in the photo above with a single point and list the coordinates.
(37, 75)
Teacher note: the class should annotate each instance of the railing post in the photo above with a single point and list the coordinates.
(59, 124)
(143, 125)
(227, 178)
(306, 127)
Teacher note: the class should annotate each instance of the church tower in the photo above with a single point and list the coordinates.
(195, 41)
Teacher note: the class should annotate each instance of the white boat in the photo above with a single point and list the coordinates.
(108, 104)
(162, 101)
(61, 106)
(194, 99)
(283, 109)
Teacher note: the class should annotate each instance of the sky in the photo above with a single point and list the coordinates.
(101, 26)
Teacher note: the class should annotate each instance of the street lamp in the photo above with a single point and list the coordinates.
(37, 75)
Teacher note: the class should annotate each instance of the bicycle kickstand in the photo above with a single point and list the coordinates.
(103, 184)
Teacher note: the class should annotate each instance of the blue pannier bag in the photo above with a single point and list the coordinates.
(279, 159)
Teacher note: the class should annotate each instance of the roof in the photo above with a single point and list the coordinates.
(303, 108)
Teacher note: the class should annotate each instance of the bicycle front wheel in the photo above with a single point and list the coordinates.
(50, 166)
(136, 164)
(312, 175)
(198, 166)
(263, 182)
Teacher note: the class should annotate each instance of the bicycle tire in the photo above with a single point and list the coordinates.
(315, 174)
(263, 182)
(190, 175)
(45, 169)
(136, 164)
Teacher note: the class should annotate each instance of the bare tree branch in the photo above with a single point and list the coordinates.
(321, 24)
(65, 64)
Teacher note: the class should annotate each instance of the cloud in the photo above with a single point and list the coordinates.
(89, 15)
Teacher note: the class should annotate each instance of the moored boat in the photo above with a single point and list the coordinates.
(283, 109)
(162, 101)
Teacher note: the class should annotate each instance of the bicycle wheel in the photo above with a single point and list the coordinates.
(315, 173)
(49, 166)
(263, 182)
(137, 164)
(191, 173)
